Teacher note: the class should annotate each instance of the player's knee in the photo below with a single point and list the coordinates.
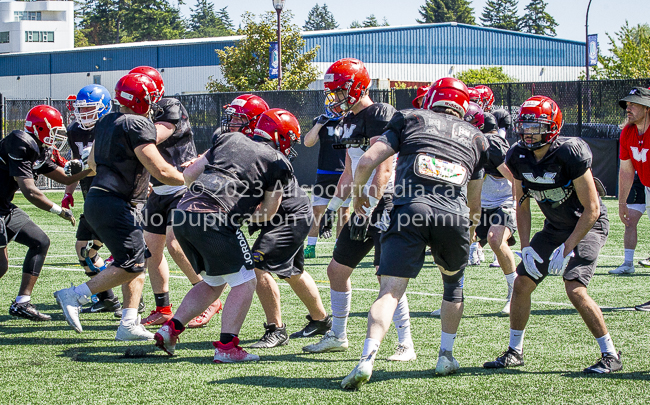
(41, 244)
(453, 291)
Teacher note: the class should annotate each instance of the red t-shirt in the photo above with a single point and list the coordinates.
(635, 148)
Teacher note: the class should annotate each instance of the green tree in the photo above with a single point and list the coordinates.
(320, 18)
(356, 24)
(630, 53)
(223, 15)
(80, 39)
(370, 21)
(537, 20)
(245, 66)
(485, 75)
(501, 14)
(437, 11)
(204, 22)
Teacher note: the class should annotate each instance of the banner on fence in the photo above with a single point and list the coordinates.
(273, 60)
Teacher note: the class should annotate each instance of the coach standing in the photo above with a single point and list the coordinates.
(635, 142)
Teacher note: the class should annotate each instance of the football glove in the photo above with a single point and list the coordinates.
(529, 257)
(558, 261)
(322, 119)
(68, 201)
(326, 224)
(67, 214)
(359, 227)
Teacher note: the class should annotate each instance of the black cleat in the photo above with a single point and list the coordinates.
(27, 310)
(141, 308)
(110, 305)
(273, 337)
(643, 307)
(606, 364)
(509, 358)
(314, 328)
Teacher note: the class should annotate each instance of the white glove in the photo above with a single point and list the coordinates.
(529, 257)
(558, 262)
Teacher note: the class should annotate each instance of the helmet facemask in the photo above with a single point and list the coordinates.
(90, 114)
(227, 123)
(535, 127)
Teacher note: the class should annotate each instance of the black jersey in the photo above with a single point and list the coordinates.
(550, 181)
(503, 118)
(330, 159)
(179, 147)
(78, 140)
(20, 156)
(370, 122)
(238, 172)
(498, 148)
(490, 123)
(119, 171)
(438, 155)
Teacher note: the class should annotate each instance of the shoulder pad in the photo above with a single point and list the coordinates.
(22, 146)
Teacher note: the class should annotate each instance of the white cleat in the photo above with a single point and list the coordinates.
(361, 373)
(506, 309)
(70, 302)
(495, 261)
(475, 253)
(404, 352)
(623, 269)
(328, 343)
(435, 313)
(133, 332)
(447, 364)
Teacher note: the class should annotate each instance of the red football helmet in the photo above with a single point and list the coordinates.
(346, 82)
(539, 115)
(247, 108)
(487, 97)
(281, 128)
(474, 115)
(47, 124)
(474, 95)
(155, 76)
(136, 91)
(417, 101)
(448, 92)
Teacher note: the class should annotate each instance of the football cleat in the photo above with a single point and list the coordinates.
(435, 313)
(403, 352)
(606, 364)
(645, 262)
(506, 309)
(446, 364)
(70, 302)
(232, 352)
(27, 310)
(474, 257)
(495, 261)
(643, 307)
(314, 328)
(310, 252)
(273, 337)
(167, 337)
(361, 373)
(205, 317)
(624, 268)
(158, 316)
(509, 358)
(328, 343)
(110, 305)
(133, 331)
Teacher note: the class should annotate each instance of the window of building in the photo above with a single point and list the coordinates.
(4, 37)
(97, 79)
(39, 36)
(27, 16)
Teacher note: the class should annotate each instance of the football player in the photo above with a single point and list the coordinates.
(504, 121)
(236, 180)
(438, 175)
(23, 156)
(331, 163)
(556, 172)
(90, 104)
(279, 247)
(419, 96)
(243, 113)
(346, 88)
(123, 155)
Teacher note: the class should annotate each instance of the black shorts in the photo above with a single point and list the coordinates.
(350, 252)
(582, 266)
(325, 186)
(417, 225)
(497, 216)
(85, 231)
(637, 194)
(157, 212)
(211, 242)
(13, 222)
(117, 224)
(279, 249)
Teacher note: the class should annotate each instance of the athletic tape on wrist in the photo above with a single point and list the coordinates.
(56, 209)
(335, 203)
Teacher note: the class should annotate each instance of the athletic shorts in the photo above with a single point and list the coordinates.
(350, 252)
(415, 226)
(582, 266)
(117, 223)
(324, 190)
(279, 249)
(157, 212)
(12, 223)
(211, 242)
(504, 216)
(84, 230)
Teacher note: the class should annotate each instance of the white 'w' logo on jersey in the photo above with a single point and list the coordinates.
(548, 178)
(348, 130)
(639, 155)
(333, 131)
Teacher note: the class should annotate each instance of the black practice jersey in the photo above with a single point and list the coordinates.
(238, 172)
(550, 181)
(503, 118)
(20, 156)
(490, 123)
(438, 155)
(78, 140)
(370, 122)
(496, 154)
(330, 159)
(119, 171)
(179, 147)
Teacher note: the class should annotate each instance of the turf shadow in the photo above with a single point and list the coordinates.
(632, 375)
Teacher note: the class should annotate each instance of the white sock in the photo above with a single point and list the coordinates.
(629, 256)
(369, 346)
(340, 303)
(311, 240)
(510, 279)
(517, 340)
(447, 341)
(129, 315)
(402, 321)
(83, 290)
(607, 345)
(21, 299)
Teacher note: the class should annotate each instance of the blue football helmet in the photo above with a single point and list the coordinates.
(98, 99)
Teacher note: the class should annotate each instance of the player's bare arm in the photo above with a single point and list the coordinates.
(163, 131)
(151, 159)
(523, 215)
(194, 169)
(588, 195)
(625, 180)
(376, 157)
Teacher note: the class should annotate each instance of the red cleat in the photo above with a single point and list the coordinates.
(231, 353)
(205, 317)
(167, 337)
(158, 316)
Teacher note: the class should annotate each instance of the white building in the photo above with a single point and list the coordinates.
(36, 26)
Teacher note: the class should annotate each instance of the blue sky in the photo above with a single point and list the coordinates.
(604, 15)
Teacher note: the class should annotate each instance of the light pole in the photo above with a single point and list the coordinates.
(587, 42)
(278, 5)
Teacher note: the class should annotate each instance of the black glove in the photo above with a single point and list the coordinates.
(326, 223)
(358, 227)
(322, 119)
(253, 227)
(73, 167)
